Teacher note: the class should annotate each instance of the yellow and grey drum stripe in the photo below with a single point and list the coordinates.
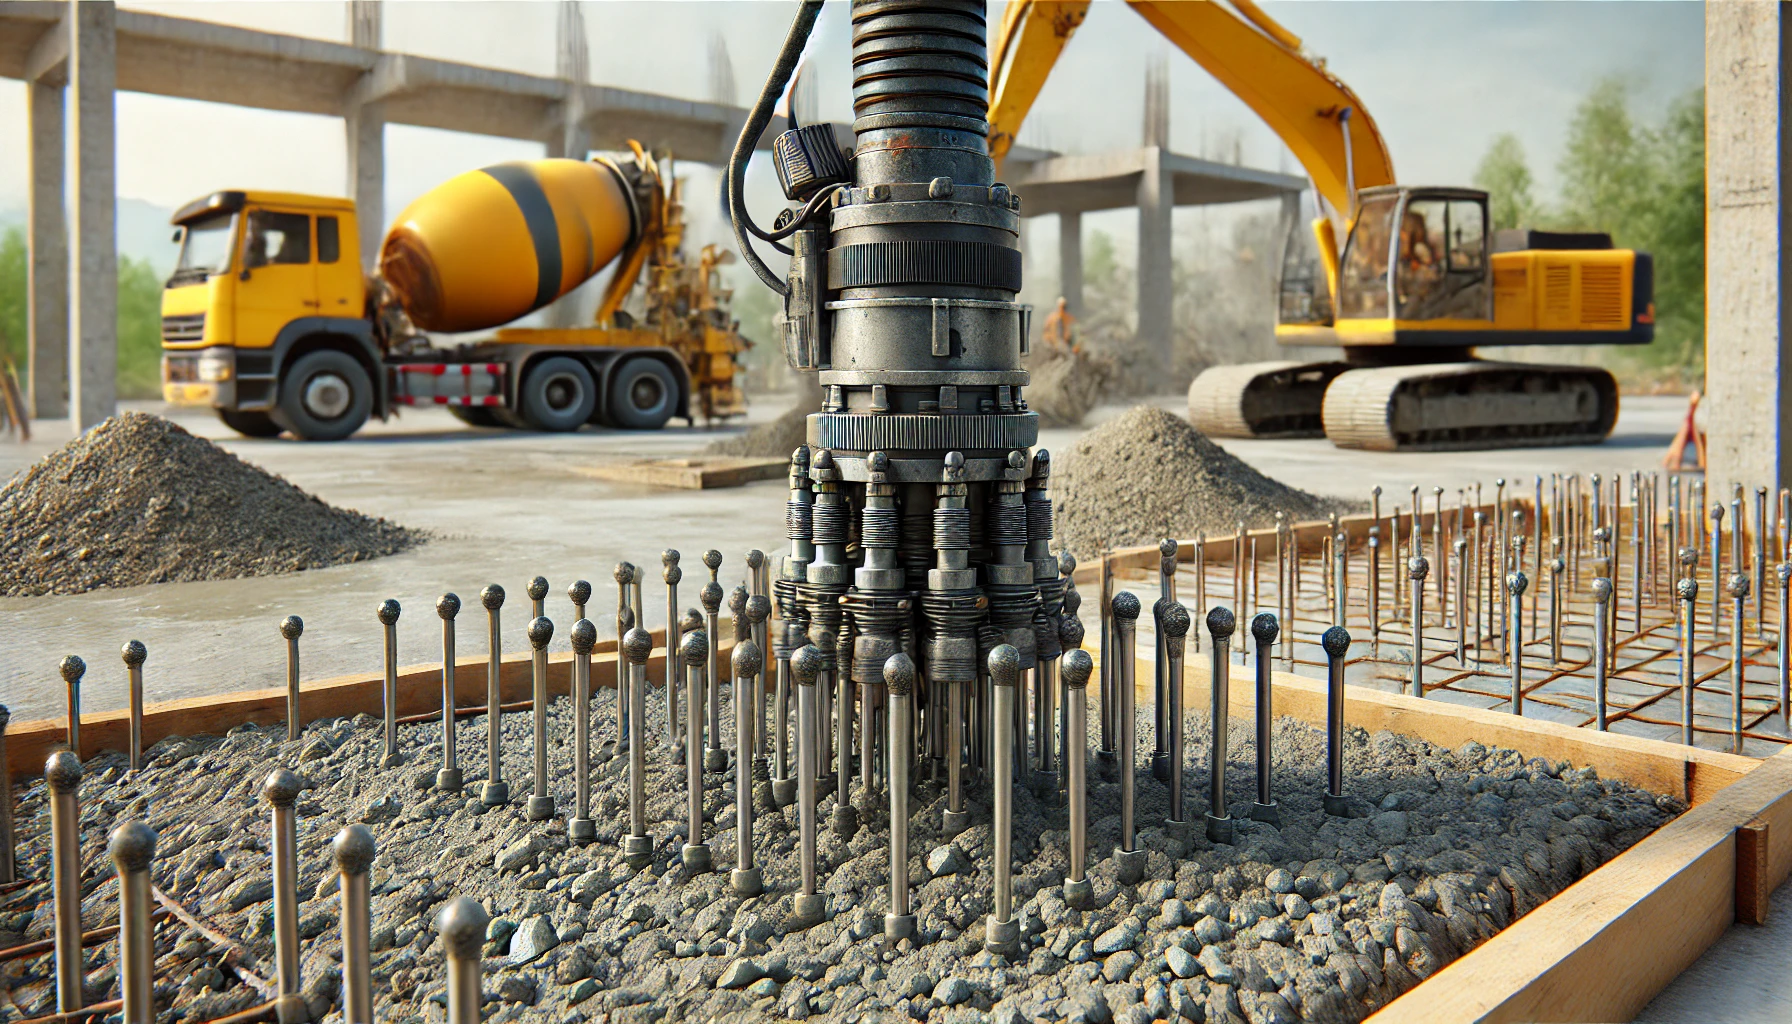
(525, 188)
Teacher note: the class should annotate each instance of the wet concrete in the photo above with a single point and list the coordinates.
(505, 506)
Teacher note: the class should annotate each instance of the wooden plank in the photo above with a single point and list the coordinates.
(1752, 890)
(693, 474)
(1601, 949)
(29, 744)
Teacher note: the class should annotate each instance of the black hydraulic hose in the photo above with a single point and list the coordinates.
(757, 120)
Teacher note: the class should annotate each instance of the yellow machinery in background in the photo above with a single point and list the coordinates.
(269, 320)
(1418, 284)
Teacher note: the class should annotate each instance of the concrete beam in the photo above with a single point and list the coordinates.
(48, 60)
(46, 238)
(1109, 181)
(93, 330)
(1156, 288)
(1748, 291)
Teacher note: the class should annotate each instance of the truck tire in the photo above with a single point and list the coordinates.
(476, 415)
(558, 394)
(643, 394)
(248, 423)
(324, 396)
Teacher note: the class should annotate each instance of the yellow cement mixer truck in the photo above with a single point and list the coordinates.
(269, 319)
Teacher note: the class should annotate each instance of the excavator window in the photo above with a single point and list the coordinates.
(1363, 282)
(276, 238)
(1442, 260)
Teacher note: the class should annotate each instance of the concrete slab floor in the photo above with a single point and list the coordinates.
(504, 506)
(1741, 979)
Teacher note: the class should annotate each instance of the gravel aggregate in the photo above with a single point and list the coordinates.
(139, 500)
(1147, 474)
(1324, 919)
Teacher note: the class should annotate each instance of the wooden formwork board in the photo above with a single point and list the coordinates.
(697, 473)
(1605, 946)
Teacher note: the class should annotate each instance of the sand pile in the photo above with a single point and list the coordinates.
(1148, 474)
(139, 500)
(1066, 385)
(781, 436)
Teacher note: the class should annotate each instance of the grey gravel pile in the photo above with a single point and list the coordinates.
(1323, 920)
(779, 437)
(139, 500)
(1147, 474)
(1066, 385)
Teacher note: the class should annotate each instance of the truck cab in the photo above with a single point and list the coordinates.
(265, 316)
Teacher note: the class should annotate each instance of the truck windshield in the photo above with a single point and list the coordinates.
(205, 250)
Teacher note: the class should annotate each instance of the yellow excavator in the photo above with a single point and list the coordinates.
(1418, 284)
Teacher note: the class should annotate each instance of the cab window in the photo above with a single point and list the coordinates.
(1363, 279)
(274, 237)
(1442, 260)
(204, 249)
(329, 243)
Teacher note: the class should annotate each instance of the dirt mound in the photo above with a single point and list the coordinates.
(779, 437)
(1066, 385)
(1148, 474)
(139, 500)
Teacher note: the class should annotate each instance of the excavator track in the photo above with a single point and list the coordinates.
(1469, 406)
(1280, 399)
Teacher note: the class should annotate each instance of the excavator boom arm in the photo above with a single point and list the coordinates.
(1255, 58)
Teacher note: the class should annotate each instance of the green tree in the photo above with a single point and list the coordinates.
(1506, 177)
(12, 297)
(1606, 166)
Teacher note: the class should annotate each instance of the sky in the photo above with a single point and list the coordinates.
(1440, 77)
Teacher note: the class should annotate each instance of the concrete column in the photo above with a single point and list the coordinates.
(367, 176)
(1155, 286)
(1070, 261)
(93, 319)
(46, 293)
(1748, 392)
(568, 138)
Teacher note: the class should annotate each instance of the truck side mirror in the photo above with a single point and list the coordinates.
(244, 276)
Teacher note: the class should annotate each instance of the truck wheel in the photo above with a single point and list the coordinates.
(557, 394)
(324, 396)
(249, 424)
(476, 415)
(643, 395)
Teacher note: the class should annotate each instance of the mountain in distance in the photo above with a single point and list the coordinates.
(143, 232)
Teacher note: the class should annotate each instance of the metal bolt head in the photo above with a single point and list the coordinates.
(1784, 572)
(1717, 511)
(1602, 589)
(877, 463)
(579, 593)
(1070, 633)
(759, 608)
(1689, 557)
(134, 653)
(673, 575)
(695, 647)
(1336, 642)
(899, 674)
(1739, 585)
(755, 558)
(625, 618)
(1417, 567)
(799, 459)
(1073, 600)
(132, 846)
(711, 597)
(1557, 565)
(492, 597)
(747, 660)
(1004, 665)
(670, 556)
(1042, 464)
(1516, 582)
(389, 610)
(583, 637)
(805, 665)
(281, 788)
(354, 849)
(1687, 589)
(462, 924)
(1265, 628)
(1497, 482)
(637, 646)
(624, 573)
(1125, 606)
(693, 619)
(63, 771)
(1220, 623)
(1167, 547)
(292, 627)
(712, 559)
(1066, 563)
(954, 463)
(541, 630)
(1077, 668)
(448, 605)
(538, 588)
(1174, 620)
(1017, 460)
(72, 668)
(737, 602)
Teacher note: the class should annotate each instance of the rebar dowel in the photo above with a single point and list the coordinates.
(1556, 567)
(495, 792)
(134, 654)
(695, 652)
(1108, 682)
(637, 846)
(1739, 595)
(1374, 580)
(1516, 584)
(1717, 565)
(715, 759)
(1264, 629)
(9, 871)
(448, 779)
(1602, 595)
(388, 616)
(1174, 623)
(759, 608)
(805, 664)
(462, 925)
(579, 593)
(1759, 584)
(1416, 569)
(747, 661)
(581, 829)
(674, 637)
(626, 576)
(1783, 670)
(1078, 891)
(354, 851)
(133, 847)
(1220, 624)
(899, 682)
(1125, 609)
(1461, 552)
(1687, 589)
(538, 594)
(281, 791)
(1336, 643)
(541, 630)
(62, 773)
(1002, 934)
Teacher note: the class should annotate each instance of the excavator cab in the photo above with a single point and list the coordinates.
(1417, 254)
